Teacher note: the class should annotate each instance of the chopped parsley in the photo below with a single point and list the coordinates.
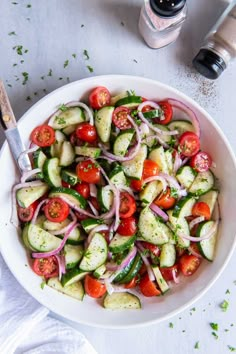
(174, 192)
(227, 291)
(85, 52)
(28, 98)
(60, 120)
(13, 33)
(18, 49)
(224, 305)
(74, 55)
(28, 6)
(9, 85)
(42, 285)
(232, 349)
(42, 77)
(171, 325)
(50, 72)
(14, 3)
(66, 63)
(22, 61)
(135, 61)
(215, 335)
(214, 326)
(90, 68)
(26, 77)
(63, 108)
(196, 346)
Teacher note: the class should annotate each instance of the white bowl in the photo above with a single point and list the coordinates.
(155, 309)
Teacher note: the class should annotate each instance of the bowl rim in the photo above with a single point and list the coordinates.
(232, 155)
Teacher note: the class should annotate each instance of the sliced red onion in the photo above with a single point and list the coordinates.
(185, 161)
(117, 209)
(26, 152)
(94, 210)
(157, 178)
(159, 211)
(198, 239)
(191, 250)
(182, 106)
(109, 287)
(171, 180)
(118, 267)
(27, 174)
(177, 162)
(213, 164)
(93, 190)
(164, 144)
(141, 251)
(58, 249)
(196, 221)
(66, 228)
(175, 277)
(36, 213)
(61, 265)
(95, 230)
(144, 129)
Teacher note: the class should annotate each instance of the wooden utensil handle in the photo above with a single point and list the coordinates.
(7, 117)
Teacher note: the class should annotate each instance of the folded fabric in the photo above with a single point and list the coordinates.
(25, 326)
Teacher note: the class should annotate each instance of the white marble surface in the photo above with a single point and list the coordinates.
(52, 31)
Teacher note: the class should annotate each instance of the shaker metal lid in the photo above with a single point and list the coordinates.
(167, 8)
(209, 64)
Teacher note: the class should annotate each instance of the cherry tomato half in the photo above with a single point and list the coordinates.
(56, 210)
(132, 283)
(189, 144)
(99, 97)
(26, 214)
(127, 227)
(86, 132)
(83, 189)
(150, 169)
(88, 172)
(154, 250)
(201, 209)
(167, 113)
(136, 184)
(120, 118)
(43, 136)
(93, 287)
(201, 162)
(127, 205)
(46, 267)
(188, 264)
(147, 287)
(167, 272)
(165, 200)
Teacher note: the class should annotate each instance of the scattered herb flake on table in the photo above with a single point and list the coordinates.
(13, 33)
(28, 6)
(224, 305)
(196, 346)
(66, 63)
(90, 68)
(171, 325)
(214, 326)
(50, 72)
(232, 349)
(26, 77)
(215, 335)
(86, 54)
(74, 55)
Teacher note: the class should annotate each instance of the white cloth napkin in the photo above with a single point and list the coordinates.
(25, 326)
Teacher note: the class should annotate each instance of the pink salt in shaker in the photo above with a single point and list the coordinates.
(160, 21)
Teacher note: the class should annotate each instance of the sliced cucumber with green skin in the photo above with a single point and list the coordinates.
(38, 160)
(55, 226)
(105, 198)
(203, 183)
(27, 195)
(95, 255)
(184, 207)
(25, 238)
(129, 101)
(40, 221)
(153, 141)
(99, 271)
(75, 290)
(73, 255)
(169, 161)
(182, 126)
(103, 120)
(152, 229)
(117, 177)
(116, 98)
(123, 273)
(41, 240)
(168, 255)
(164, 287)
(69, 177)
(51, 172)
(121, 243)
(122, 301)
(75, 237)
(179, 225)
(150, 192)
(210, 199)
(72, 276)
(89, 224)
(134, 168)
(67, 155)
(155, 113)
(134, 269)
(186, 175)
(158, 155)
(122, 142)
(207, 247)
(71, 195)
(73, 115)
(70, 129)
(93, 152)
(55, 149)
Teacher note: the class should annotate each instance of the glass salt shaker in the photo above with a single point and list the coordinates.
(160, 21)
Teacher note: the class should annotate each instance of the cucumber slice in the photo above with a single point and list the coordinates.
(55, 149)
(93, 152)
(27, 195)
(72, 276)
(116, 98)
(169, 162)
(73, 115)
(67, 155)
(179, 225)
(105, 197)
(207, 247)
(160, 280)
(103, 120)
(134, 167)
(99, 271)
(89, 224)
(75, 237)
(121, 243)
(155, 113)
(150, 192)
(186, 175)
(38, 160)
(75, 290)
(152, 229)
(203, 183)
(210, 199)
(73, 255)
(71, 195)
(137, 264)
(55, 226)
(41, 240)
(124, 272)
(51, 172)
(129, 101)
(70, 129)
(121, 301)
(95, 255)
(122, 142)
(117, 177)
(69, 177)
(158, 155)
(168, 255)
(168, 139)
(184, 207)
(182, 126)
(25, 238)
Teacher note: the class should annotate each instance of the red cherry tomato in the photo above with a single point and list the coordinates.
(88, 172)
(147, 108)
(86, 132)
(148, 288)
(167, 113)
(165, 200)
(26, 214)
(127, 227)
(106, 235)
(201, 209)
(188, 264)
(132, 284)
(201, 162)
(154, 250)
(189, 144)
(56, 210)
(136, 184)
(93, 287)
(194, 247)
(46, 267)
(65, 184)
(119, 118)
(83, 189)
(150, 169)
(43, 136)
(99, 97)
(81, 216)
(167, 272)
(127, 205)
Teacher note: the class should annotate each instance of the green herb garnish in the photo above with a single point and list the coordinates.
(85, 52)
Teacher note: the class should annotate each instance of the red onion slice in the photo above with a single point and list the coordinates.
(177, 162)
(26, 152)
(196, 221)
(27, 174)
(157, 178)
(115, 267)
(95, 230)
(191, 250)
(94, 210)
(198, 239)
(61, 265)
(159, 212)
(66, 228)
(175, 277)
(36, 213)
(141, 251)
(93, 190)
(165, 145)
